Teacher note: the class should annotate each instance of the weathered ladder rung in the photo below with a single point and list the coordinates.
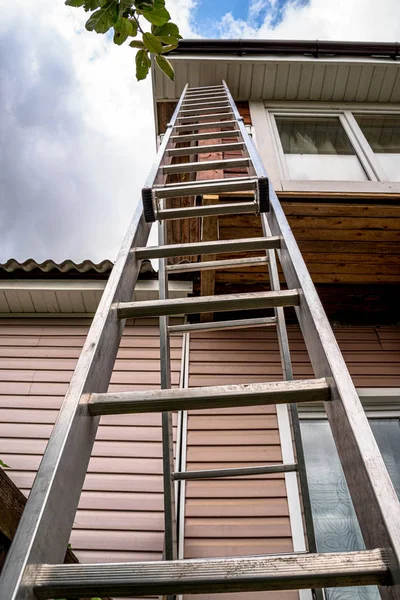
(199, 304)
(207, 211)
(205, 87)
(206, 165)
(204, 99)
(214, 575)
(201, 398)
(221, 325)
(197, 111)
(207, 116)
(238, 472)
(214, 186)
(213, 265)
(206, 149)
(209, 135)
(207, 125)
(217, 246)
(201, 104)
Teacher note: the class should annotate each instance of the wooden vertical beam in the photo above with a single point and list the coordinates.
(209, 225)
(209, 232)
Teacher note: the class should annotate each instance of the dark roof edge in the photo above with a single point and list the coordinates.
(68, 269)
(315, 48)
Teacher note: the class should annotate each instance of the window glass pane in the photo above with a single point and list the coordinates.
(318, 149)
(336, 525)
(383, 135)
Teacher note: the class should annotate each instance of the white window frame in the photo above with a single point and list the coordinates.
(377, 402)
(377, 180)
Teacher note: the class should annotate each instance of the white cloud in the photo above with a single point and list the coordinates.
(77, 131)
(356, 20)
(76, 134)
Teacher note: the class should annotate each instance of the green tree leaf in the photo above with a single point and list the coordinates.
(169, 48)
(169, 29)
(74, 2)
(152, 43)
(144, 4)
(122, 30)
(157, 17)
(143, 63)
(3, 464)
(93, 4)
(134, 26)
(124, 5)
(104, 18)
(136, 44)
(165, 66)
(168, 39)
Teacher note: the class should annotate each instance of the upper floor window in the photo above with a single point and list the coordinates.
(383, 135)
(335, 149)
(318, 148)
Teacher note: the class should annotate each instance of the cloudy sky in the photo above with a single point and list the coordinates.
(76, 129)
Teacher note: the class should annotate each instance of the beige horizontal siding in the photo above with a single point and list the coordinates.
(250, 515)
(120, 515)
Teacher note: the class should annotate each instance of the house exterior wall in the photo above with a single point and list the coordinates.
(252, 515)
(120, 516)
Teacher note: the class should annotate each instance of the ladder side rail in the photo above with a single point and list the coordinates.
(44, 529)
(287, 369)
(372, 492)
(156, 175)
(155, 168)
(257, 163)
(170, 543)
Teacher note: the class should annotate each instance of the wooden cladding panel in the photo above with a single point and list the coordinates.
(348, 243)
(120, 515)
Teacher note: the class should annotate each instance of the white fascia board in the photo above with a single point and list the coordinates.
(274, 58)
(57, 285)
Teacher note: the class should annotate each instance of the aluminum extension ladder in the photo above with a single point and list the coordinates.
(34, 569)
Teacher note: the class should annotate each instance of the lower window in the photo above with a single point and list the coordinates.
(335, 521)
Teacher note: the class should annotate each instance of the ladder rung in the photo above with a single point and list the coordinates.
(212, 186)
(213, 575)
(239, 472)
(220, 325)
(213, 265)
(199, 304)
(205, 87)
(207, 116)
(208, 125)
(207, 211)
(206, 165)
(208, 135)
(202, 98)
(201, 104)
(206, 149)
(214, 247)
(224, 396)
(205, 110)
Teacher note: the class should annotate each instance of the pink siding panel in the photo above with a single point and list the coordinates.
(120, 515)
